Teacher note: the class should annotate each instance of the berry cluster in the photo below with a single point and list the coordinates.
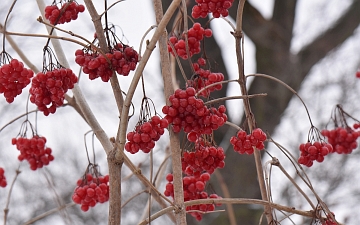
(69, 11)
(194, 187)
(216, 7)
(342, 139)
(121, 59)
(195, 36)
(34, 151)
(357, 74)
(189, 113)
(2, 178)
(310, 152)
(329, 220)
(50, 88)
(91, 190)
(204, 158)
(204, 78)
(245, 143)
(145, 135)
(13, 78)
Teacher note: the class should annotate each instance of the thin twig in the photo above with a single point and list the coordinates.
(239, 45)
(234, 97)
(243, 201)
(42, 216)
(6, 210)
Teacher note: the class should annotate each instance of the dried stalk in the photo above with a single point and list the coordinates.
(249, 115)
(310, 214)
(180, 213)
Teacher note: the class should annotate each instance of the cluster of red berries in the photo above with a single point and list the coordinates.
(357, 74)
(195, 36)
(48, 89)
(13, 78)
(216, 7)
(68, 11)
(205, 78)
(245, 143)
(204, 158)
(145, 135)
(91, 190)
(121, 59)
(329, 220)
(191, 114)
(310, 152)
(2, 178)
(194, 187)
(342, 139)
(34, 151)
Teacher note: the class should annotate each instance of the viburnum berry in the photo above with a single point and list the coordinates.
(34, 151)
(121, 58)
(2, 178)
(329, 220)
(245, 143)
(48, 89)
(204, 78)
(357, 74)
(69, 11)
(191, 114)
(216, 7)
(195, 35)
(204, 158)
(193, 187)
(91, 190)
(310, 152)
(14, 77)
(342, 139)
(145, 135)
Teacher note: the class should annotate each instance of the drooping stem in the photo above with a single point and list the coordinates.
(238, 34)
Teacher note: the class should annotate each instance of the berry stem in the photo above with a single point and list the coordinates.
(277, 163)
(239, 41)
(7, 17)
(6, 209)
(234, 97)
(285, 85)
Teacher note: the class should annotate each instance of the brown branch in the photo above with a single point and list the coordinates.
(247, 108)
(180, 214)
(310, 214)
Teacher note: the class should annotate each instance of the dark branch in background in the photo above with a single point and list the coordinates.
(284, 16)
(331, 38)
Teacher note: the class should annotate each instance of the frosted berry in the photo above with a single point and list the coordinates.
(195, 36)
(145, 135)
(204, 158)
(34, 151)
(2, 178)
(191, 114)
(216, 7)
(316, 151)
(13, 79)
(48, 89)
(342, 139)
(69, 11)
(194, 187)
(91, 190)
(121, 59)
(245, 143)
